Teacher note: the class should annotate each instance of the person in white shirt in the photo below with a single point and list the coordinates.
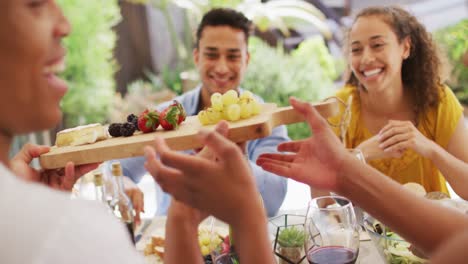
(39, 224)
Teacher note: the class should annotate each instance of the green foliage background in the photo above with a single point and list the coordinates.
(306, 73)
(90, 63)
(454, 40)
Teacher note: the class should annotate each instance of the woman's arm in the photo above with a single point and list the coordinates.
(424, 223)
(453, 162)
(401, 135)
(407, 214)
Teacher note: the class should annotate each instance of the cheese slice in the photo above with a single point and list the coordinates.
(81, 135)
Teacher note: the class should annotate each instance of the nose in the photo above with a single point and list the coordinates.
(367, 56)
(222, 66)
(62, 27)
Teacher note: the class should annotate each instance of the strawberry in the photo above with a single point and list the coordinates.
(182, 113)
(169, 118)
(225, 248)
(148, 121)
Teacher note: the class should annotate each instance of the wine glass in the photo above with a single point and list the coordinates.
(332, 231)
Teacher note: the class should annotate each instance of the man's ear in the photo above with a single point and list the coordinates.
(196, 56)
(247, 59)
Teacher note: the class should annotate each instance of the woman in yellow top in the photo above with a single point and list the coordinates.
(402, 116)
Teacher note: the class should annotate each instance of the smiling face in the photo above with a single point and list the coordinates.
(221, 59)
(30, 55)
(376, 55)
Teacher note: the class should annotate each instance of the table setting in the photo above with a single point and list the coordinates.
(151, 231)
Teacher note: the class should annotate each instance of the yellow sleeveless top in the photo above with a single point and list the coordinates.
(438, 124)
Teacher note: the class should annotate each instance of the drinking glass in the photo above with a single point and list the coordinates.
(332, 231)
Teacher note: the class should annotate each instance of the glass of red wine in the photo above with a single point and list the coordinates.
(332, 231)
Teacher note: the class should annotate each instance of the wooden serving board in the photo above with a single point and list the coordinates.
(183, 138)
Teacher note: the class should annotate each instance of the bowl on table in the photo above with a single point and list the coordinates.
(391, 247)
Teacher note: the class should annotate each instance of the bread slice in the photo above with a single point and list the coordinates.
(416, 188)
(81, 135)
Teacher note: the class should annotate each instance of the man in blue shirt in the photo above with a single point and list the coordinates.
(221, 56)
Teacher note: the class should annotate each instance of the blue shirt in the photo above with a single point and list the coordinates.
(271, 186)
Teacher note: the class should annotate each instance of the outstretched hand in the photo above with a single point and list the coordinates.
(217, 181)
(60, 179)
(315, 161)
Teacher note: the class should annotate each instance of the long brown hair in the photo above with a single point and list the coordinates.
(422, 71)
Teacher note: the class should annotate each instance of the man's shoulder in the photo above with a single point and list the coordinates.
(257, 96)
(187, 99)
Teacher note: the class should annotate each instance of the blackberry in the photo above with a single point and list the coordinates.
(127, 129)
(131, 118)
(114, 129)
(208, 259)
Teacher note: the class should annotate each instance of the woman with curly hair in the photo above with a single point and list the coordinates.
(403, 118)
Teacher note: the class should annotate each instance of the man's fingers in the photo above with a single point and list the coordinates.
(220, 145)
(70, 177)
(222, 128)
(155, 167)
(29, 151)
(169, 179)
(160, 145)
(81, 170)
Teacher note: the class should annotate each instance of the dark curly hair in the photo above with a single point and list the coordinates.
(421, 72)
(224, 17)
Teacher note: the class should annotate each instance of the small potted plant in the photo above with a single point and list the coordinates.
(291, 244)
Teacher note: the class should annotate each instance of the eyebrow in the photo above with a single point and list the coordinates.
(372, 38)
(212, 49)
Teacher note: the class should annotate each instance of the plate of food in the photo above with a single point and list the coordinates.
(213, 239)
(390, 245)
(96, 143)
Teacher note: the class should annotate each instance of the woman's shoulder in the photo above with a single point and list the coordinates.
(442, 120)
(446, 96)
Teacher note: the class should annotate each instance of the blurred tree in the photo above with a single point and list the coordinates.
(90, 63)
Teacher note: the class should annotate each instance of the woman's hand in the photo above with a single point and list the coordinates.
(371, 149)
(315, 161)
(398, 136)
(60, 179)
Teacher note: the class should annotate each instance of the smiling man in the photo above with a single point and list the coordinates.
(221, 56)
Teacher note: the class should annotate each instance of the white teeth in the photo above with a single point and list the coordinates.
(56, 68)
(372, 72)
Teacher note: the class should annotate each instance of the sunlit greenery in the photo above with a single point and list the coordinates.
(90, 62)
(454, 40)
(307, 73)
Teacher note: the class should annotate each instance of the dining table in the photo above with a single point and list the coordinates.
(368, 253)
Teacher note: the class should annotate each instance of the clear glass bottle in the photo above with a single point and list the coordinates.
(121, 204)
(100, 189)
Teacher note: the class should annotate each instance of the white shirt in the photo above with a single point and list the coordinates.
(41, 226)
